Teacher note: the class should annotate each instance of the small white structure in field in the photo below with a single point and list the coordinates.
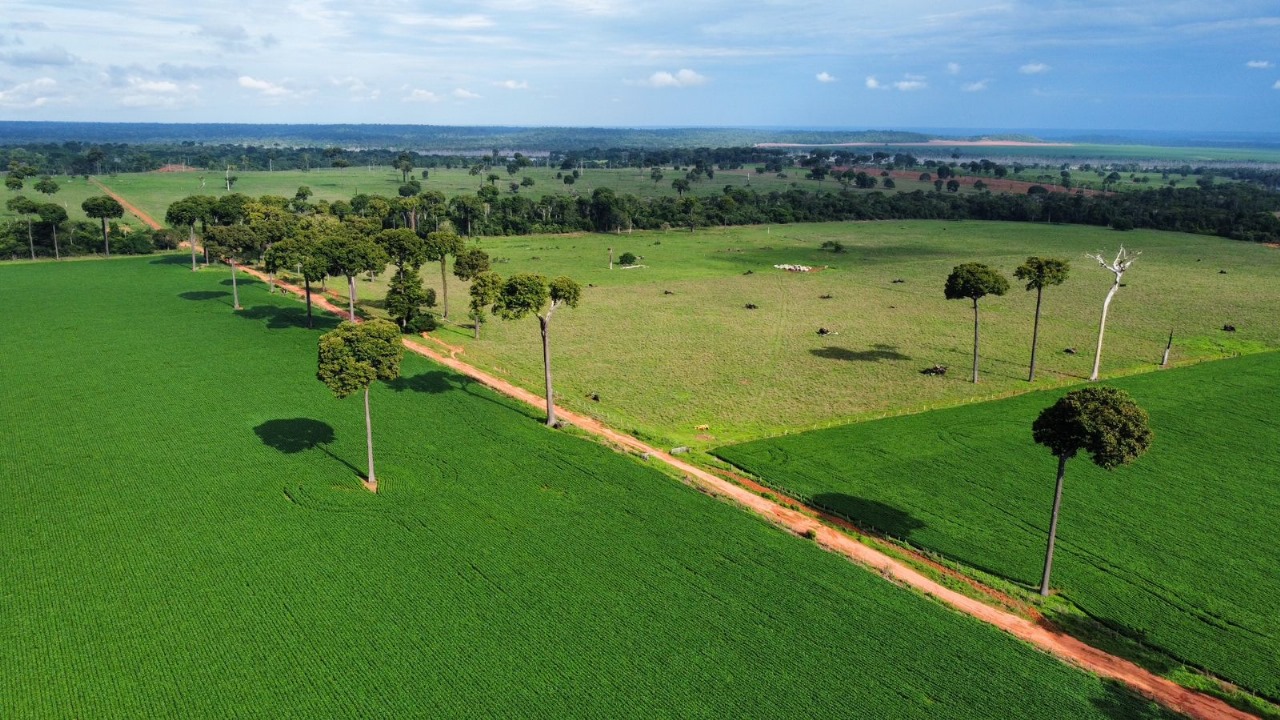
(1123, 260)
(794, 268)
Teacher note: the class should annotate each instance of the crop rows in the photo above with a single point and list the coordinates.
(1177, 550)
(178, 544)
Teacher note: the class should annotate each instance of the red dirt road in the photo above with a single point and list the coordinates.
(1054, 642)
(128, 206)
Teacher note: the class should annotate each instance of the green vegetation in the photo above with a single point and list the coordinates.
(664, 364)
(185, 535)
(1177, 551)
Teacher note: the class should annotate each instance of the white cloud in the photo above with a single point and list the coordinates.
(266, 88)
(826, 77)
(32, 94)
(513, 84)
(1276, 86)
(977, 86)
(953, 68)
(1034, 68)
(681, 78)
(421, 96)
(464, 94)
(909, 85)
(442, 22)
(357, 88)
(1258, 64)
(874, 84)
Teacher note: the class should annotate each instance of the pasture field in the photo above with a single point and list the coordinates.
(185, 536)
(71, 193)
(664, 364)
(1177, 550)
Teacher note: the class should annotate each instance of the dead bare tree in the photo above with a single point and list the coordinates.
(1123, 260)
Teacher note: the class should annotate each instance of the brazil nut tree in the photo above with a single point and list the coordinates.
(530, 293)
(1039, 273)
(1103, 421)
(974, 281)
(351, 357)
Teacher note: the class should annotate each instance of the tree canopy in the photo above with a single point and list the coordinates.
(353, 355)
(1103, 421)
(974, 281)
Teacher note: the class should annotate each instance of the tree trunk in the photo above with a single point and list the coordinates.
(372, 482)
(444, 286)
(57, 255)
(235, 291)
(544, 321)
(1164, 361)
(1035, 336)
(351, 296)
(307, 283)
(191, 240)
(106, 241)
(1053, 526)
(31, 241)
(975, 340)
(1102, 328)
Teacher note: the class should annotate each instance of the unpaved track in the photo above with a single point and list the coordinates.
(128, 206)
(1054, 642)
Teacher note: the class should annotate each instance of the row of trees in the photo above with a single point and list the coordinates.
(974, 281)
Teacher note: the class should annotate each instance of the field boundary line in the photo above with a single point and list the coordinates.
(1054, 642)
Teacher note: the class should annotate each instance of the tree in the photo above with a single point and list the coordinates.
(187, 211)
(404, 163)
(349, 255)
(655, 175)
(1104, 421)
(406, 297)
(440, 245)
(53, 215)
(353, 356)
(525, 293)
(102, 207)
(1118, 266)
(46, 185)
(974, 281)
(25, 206)
(484, 292)
(233, 243)
(680, 185)
(303, 255)
(1039, 273)
(13, 181)
(469, 263)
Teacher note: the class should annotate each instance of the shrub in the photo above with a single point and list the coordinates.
(425, 322)
(627, 258)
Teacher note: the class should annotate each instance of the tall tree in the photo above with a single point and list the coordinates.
(406, 297)
(353, 356)
(53, 215)
(303, 255)
(187, 211)
(1118, 267)
(1103, 421)
(974, 281)
(440, 245)
(469, 263)
(350, 254)
(102, 208)
(25, 206)
(233, 243)
(1039, 273)
(47, 186)
(484, 290)
(525, 293)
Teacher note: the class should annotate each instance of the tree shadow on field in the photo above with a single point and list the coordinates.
(870, 514)
(173, 259)
(279, 318)
(1118, 702)
(877, 353)
(295, 435)
(432, 382)
(199, 295)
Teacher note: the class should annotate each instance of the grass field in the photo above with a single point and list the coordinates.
(185, 536)
(1177, 550)
(71, 193)
(664, 364)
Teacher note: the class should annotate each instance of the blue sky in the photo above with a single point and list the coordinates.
(1085, 64)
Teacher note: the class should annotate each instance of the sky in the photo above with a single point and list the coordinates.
(1072, 64)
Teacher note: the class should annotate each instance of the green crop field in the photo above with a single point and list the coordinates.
(664, 364)
(185, 536)
(1177, 550)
